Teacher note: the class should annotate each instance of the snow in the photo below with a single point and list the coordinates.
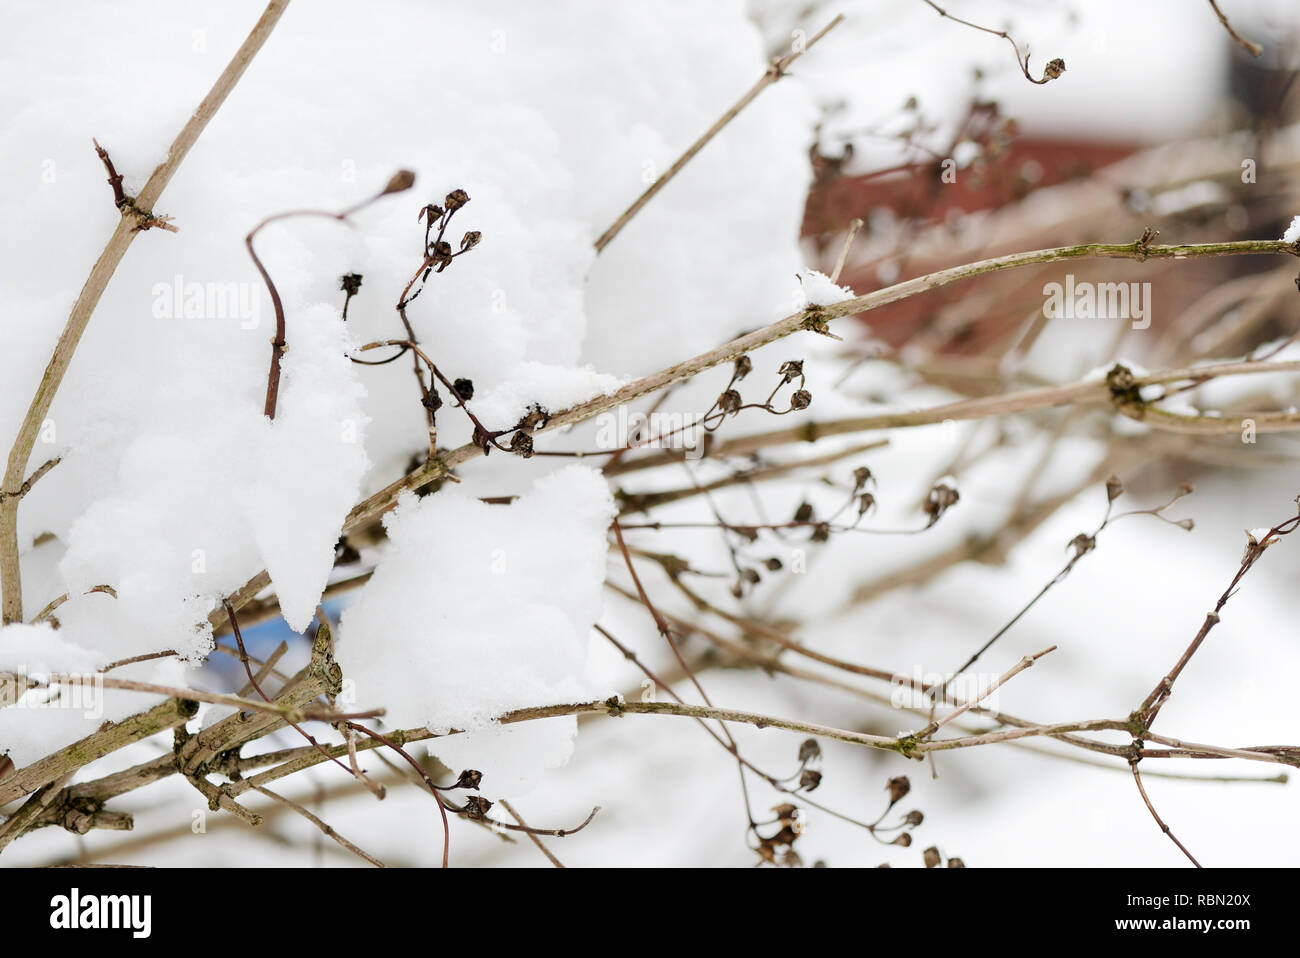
(1292, 234)
(39, 651)
(478, 609)
(818, 289)
(173, 489)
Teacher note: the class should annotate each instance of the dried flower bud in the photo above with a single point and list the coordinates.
(913, 818)
(810, 779)
(802, 399)
(1082, 544)
(744, 366)
(730, 402)
(866, 502)
(470, 240)
(470, 778)
(956, 863)
(431, 212)
(1120, 379)
(350, 283)
(400, 182)
(476, 807)
(804, 513)
(821, 532)
(904, 840)
(535, 418)
(861, 476)
(464, 389)
(440, 254)
(773, 564)
(1053, 69)
(1114, 488)
(898, 788)
(931, 857)
(785, 812)
(455, 200)
(791, 369)
(432, 400)
(750, 575)
(521, 444)
(941, 498)
(809, 751)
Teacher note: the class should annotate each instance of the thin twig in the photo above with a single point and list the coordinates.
(11, 602)
(532, 836)
(1254, 49)
(325, 828)
(775, 71)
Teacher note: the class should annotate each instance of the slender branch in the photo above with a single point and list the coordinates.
(441, 466)
(531, 833)
(1137, 779)
(11, 601)
(775, 71)
(325, 828)
(1254, 49)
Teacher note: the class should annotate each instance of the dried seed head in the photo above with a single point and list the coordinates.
(470, 778)
(432, 400)
(350, 283)
(804, 513)
(521, 444)
(773, 564)
(866, 502)
(809, 751)
(913, 818)
(476, 807)
(730, 402)
(802, 399)
(898, 788)
(1082, 544)
(956, 863)
(744, 366)
(821, 532)
(440, 254)
(470, 240)
(942, 497)
(400, 182)
(791, 369)
(810, 779)
(786, 813)
(861, 476)
(1114, 488)
(750, 575)
(931, 857)
(904, 840)
(455, 200)
(464, 389)
(1053, 69)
